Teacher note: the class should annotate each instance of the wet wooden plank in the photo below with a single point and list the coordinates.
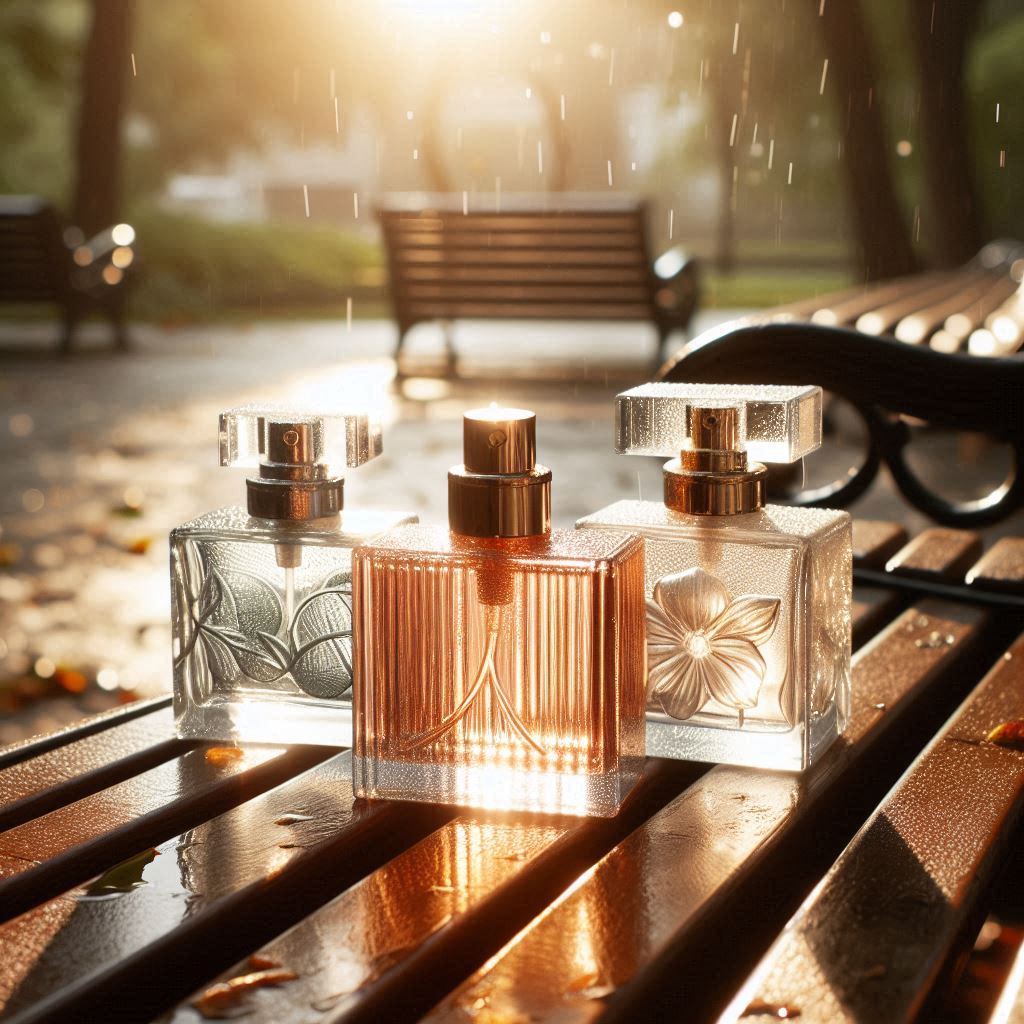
(872, 942)
(1001, 567)
(391, 946)
(32, 787)
(1010, 1007)
(876, 541)
(650, 916)
(35, 745)
(937, 554)
(192, 905)
(46, 855)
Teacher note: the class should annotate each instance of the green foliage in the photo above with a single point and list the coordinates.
(38, 44)
(193, 268)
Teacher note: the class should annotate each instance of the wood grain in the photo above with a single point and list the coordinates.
(222, 887)
(876, 541)
(937, 554)
(872, 941)
(48, 854)
(665, 888)
(31, 787)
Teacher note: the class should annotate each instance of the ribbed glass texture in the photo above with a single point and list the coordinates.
(748, 631)
(262, 626)
(501, 674)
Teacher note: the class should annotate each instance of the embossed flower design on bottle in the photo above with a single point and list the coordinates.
(702, 644)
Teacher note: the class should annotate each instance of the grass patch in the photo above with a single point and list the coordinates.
(761, 289)
(194, 269)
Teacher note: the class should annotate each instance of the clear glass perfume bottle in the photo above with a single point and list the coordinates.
(748, 610)
(500, 663)
(262, 597)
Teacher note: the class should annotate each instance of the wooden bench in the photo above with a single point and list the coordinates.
(977, 308)
(571, 259)
(143, 876)
(42, 260)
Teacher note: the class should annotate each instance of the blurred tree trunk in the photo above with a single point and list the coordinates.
(725, 105)
(941, 32)
(105, 66)
(878, 219)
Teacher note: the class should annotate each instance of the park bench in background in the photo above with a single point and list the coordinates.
(567, 258)
(43, 260)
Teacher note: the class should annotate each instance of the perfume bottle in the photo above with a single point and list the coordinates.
(748, 605)
(500, 663)
(262, 596)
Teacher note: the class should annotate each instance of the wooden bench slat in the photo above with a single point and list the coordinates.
(1001, 567)
(871, 941)
(525, 275)
(461, 293)
(224, 886)
(402, 937)
(876, 541)
(566, 241)
(882, 319)
(656, 892)
(937, 554)
(919, 326)
(1010, 1007)
(526, 311)
(525, 257)
(46, 855)
(33, 787)
(845, 308)
(504, 221)
(33, 746)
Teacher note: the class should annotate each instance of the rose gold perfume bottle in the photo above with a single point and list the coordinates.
(499, 664)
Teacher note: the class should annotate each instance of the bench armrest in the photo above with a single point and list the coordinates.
(677, 280)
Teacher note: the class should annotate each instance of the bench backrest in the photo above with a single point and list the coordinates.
(561, 264)
(34, 262)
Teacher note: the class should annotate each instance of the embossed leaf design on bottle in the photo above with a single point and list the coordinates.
(236, 624)
(702, 643)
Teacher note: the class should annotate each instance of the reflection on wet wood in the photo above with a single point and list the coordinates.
(45, 855)
(35, 745)
(224, 886)
(888, 915)
(937, 554)
(1001, 567)
(399, 940)
(656, 890)
(34, 786)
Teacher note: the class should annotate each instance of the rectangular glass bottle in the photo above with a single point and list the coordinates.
(748, 605)
(261, 597)
(500, 663)
(504, 673)
(749, 633)
(262, 625)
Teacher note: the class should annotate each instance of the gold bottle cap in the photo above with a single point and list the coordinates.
(499, 491)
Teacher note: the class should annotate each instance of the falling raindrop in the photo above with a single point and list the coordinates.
(305, 198)
(789, 179)
(609, 174)
(348, 314)
(671, 223)
(135, 74)
(355, 205)
(824, 75)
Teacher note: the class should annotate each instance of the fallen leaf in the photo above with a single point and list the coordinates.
(1009, 734)
(224, 755)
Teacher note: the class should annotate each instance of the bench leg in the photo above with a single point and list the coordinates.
(69, 321)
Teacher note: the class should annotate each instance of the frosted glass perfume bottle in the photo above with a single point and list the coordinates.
(262, 597)
(500, 663)
(748, 610)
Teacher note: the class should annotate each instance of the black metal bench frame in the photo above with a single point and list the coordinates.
(37, 265)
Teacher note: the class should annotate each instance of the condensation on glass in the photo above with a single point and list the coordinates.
(748, 612)
(262, 596)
